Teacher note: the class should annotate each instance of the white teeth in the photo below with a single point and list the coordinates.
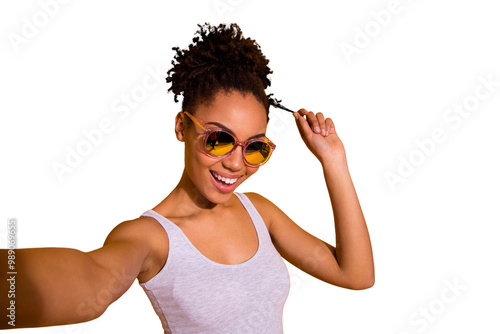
(224, 179)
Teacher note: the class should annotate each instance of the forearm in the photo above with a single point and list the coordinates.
(52, 287)
(353, 246)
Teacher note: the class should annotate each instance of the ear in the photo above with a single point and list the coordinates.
(180, 127)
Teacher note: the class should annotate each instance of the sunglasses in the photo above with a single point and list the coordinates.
(220, 143)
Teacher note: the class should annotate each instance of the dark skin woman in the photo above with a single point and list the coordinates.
(222, 78)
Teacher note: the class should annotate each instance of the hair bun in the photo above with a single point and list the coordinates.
(217, 49)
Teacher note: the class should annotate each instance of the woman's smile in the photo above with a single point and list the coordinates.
(226, 183)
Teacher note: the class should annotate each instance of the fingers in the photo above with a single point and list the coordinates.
(303, 126)
(317, 122)
(330, 127)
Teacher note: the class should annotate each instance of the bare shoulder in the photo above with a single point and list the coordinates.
(146, 234)
(267, 209)
(141, 229)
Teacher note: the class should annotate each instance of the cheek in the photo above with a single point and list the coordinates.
(197, 162)
(192, 150)
(251, 171)
(194, 159)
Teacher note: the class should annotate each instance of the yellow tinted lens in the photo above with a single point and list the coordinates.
(219, 143)
(257, 152)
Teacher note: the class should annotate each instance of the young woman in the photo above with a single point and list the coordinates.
(209, 259)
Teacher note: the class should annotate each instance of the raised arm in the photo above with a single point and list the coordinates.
(350, 263)
(57, 286)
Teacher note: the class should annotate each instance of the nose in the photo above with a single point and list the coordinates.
(234, 161)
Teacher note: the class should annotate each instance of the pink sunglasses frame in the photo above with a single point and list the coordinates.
(244, 145)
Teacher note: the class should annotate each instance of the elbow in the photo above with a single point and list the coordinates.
(364, 280)
(363, 285)
(360, 282)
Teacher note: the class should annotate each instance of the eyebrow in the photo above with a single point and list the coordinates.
(231, 132)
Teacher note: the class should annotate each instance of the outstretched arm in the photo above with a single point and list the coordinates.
(57, 286)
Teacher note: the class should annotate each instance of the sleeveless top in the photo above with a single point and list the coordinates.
(195, 295)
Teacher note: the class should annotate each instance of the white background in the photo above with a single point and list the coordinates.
(438, 227)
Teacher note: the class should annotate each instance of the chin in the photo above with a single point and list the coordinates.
(214, 187)
(212, 198)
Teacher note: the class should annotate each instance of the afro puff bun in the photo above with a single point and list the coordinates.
(219, 58)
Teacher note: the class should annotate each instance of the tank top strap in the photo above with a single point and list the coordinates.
(260, 225)
(164, 222)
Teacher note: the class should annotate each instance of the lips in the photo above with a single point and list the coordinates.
(224, 182)
(226, 179)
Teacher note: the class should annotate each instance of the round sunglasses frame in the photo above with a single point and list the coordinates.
(208, 130)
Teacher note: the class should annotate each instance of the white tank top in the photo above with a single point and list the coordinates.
(195, 295)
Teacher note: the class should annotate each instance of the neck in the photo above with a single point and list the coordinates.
(188, 194)
(186, 200)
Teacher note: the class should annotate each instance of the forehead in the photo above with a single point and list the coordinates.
(242, 114)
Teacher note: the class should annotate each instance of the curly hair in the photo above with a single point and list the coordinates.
(220, 58)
